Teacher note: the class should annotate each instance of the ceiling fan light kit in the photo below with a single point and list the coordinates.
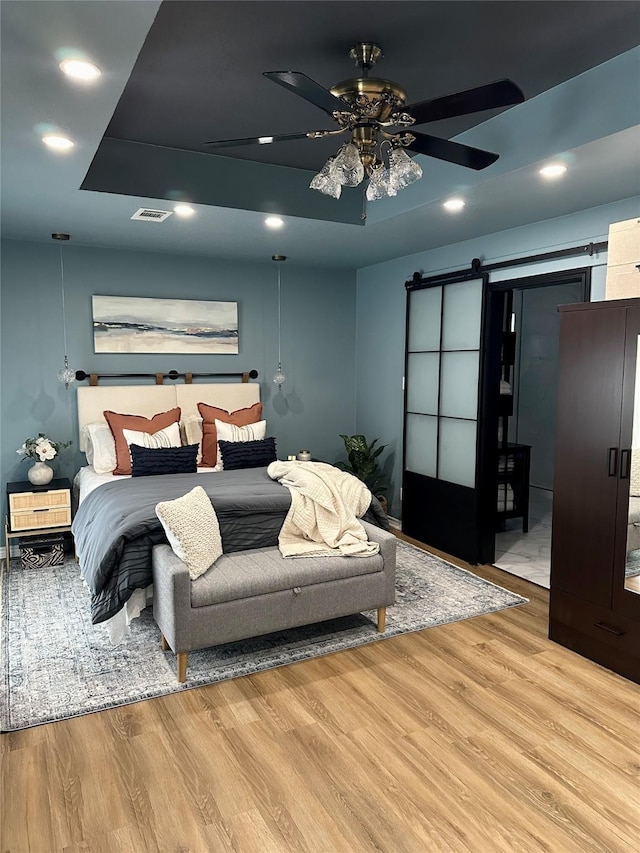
(402, 169)
(347, 168)
(373, 112)
(325, 181)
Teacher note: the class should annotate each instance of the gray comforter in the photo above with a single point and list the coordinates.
(116, 526)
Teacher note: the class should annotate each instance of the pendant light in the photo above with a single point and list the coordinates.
(279, 377)
(66, 374)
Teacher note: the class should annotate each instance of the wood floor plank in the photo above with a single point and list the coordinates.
(250, 832)
(154, 788)
(480, 736)
(514, 771)
(299, 821)
(127, 839)
(502, 818)
(618, 803)
(22, 740)
(363, 822)
(417, 779)
(282, 707)
(25, 816)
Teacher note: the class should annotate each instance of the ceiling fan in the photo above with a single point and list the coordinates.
(374, 114)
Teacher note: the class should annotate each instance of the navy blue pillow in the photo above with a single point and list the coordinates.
(247, 454)
(147, 461)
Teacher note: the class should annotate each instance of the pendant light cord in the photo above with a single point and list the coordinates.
(279, 377)
(279, 357)
(64, 319)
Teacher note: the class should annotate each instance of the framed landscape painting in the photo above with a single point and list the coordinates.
(149, 325)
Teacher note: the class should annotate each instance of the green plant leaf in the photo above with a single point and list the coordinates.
(362, 463)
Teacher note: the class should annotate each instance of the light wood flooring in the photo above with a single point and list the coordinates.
(477, 736)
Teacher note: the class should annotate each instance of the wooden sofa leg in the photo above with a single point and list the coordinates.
(163, 643)
(183, 659)
(382, 616)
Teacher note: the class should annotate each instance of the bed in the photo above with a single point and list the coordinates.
(116, 527)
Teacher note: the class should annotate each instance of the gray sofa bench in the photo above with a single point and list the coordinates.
(249, 593)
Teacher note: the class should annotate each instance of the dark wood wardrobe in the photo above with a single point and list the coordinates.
(594, 604)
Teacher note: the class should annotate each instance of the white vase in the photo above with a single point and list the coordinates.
(40, 474)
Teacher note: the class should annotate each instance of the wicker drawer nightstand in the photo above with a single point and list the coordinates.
(33, 510)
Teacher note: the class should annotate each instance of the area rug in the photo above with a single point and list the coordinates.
(57, 665)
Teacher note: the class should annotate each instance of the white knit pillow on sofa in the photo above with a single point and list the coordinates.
(192, 528)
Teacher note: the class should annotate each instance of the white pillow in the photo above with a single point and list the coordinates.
(192, 528)
(167, 437)
(231, 432)
(192, 426)
(101, 447)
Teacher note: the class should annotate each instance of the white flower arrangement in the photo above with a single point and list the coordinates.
(41, 448)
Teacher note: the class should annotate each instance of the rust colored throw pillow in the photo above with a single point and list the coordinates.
(241, 417)
(118, 422)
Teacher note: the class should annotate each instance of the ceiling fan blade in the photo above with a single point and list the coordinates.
(305, 87)
(502, 93)
(259, 140)
(452, 152)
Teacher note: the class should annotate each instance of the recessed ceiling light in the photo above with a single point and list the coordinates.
(273, 222)
(80, 69)
(553, 170)
(265, 140)
(183, 210)
(60, 143)
(455, 205)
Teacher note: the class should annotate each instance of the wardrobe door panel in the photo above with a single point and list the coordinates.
(588, 452)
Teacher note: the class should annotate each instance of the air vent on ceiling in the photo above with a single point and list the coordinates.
(151, 215)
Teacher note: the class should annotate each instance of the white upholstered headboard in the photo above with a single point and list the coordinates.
(148, 400)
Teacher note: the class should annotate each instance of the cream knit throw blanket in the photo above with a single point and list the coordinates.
(324, 504)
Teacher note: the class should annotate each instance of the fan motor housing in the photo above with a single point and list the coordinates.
(374, 97)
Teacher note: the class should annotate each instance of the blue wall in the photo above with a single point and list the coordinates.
(342, 334)
(318, 348)
(380, 311)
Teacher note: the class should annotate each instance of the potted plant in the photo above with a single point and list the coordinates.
(362, 463)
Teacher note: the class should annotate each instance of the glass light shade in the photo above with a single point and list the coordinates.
(402, 169)
(347, 168)
(324, 182)
(380, 185)
(279, 377)
(66, 374)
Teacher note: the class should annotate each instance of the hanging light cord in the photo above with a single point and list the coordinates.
(64, 313)
(279, 356)
(279, 377)
(66, 374)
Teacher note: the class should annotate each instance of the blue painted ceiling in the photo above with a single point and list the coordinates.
(178, 73)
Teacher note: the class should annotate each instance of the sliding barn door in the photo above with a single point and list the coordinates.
(440, 505)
